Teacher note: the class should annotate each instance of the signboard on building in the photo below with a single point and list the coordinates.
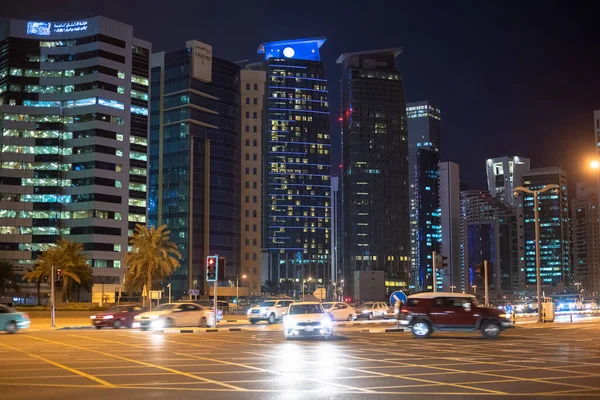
(200, 60)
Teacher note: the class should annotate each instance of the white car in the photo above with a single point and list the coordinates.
(307, 319)
(570, 305)
(372, 309)
(590, 305)
(340, 311)
(176, 314)
(269, 310)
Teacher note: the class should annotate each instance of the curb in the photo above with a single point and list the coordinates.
(201, 330)
(67, 328)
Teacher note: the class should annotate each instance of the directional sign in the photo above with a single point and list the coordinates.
(397, 296)
(194, 292)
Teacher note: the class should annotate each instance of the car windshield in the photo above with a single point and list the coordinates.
(117, 309)
(327, 306)
(10, 309)
(267, 304)
(368, 304)
(306, 309)
(164, 307)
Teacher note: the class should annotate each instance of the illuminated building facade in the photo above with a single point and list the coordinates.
(74, 123)
(555, 243)
(586, 238)
(375, 166)
(423, 120)
(195, 112)
(296, 146)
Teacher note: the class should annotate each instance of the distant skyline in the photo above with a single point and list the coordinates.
(510, 78)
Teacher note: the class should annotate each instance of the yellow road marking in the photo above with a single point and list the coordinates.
(174, 371)
(59, 365)
(231, 363)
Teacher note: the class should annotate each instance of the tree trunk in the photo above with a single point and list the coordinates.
(149, 284)
(38, 285)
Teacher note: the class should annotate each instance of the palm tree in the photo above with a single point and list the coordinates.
(152, 257)
(48, 259)
(75, 269)
(270, 287)
(8, 277)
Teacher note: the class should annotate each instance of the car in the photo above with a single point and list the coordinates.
(116, 317)
(590, 305)
(425, 313)
(221, 304)
(12, 320)
(372, 309)
(307, 319)
(570, 305)
(340, 311)
(521, 307)
(176, 314)
(269, 310)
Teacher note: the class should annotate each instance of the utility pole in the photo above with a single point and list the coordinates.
(216, 284)
(52, 305)
(169, 286)
(485, 277)
(434, 272)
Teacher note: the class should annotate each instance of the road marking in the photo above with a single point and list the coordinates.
(62, 366)
(174, 371)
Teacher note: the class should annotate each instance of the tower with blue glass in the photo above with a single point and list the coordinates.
(296, 162)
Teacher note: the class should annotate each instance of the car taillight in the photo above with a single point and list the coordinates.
(26, 316)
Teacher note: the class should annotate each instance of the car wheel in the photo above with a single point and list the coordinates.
(253, 321)
(97, 327)
(272, 319)
(203, 322)
(490, 329)
(370, 316)
(349, 318)
(169, 323)
(117, 324)
(144, 329)
(421, 329)
(11, 327)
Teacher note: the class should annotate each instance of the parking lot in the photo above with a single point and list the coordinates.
(559, 360)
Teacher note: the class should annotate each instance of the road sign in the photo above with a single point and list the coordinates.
(397, 296)
(156, 294)
(194, 292)
(144, 292)
(320, 293)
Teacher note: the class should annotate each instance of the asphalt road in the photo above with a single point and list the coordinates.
(538, 361)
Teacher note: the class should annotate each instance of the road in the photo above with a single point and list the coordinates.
(550, 361)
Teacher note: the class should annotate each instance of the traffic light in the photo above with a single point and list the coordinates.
(441, 262)
(221, 269)
(212, 268)
(59, 275)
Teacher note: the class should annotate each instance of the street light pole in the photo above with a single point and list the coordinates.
(169, 286)
(536, 209)
(52, 304)
(237, 293)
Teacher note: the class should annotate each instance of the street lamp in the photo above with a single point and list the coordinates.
(536, 209)
(237, 293)
(595, 164)
(474, 289)
(452, 288)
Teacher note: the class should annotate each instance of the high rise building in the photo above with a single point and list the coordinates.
(195, 153)
(449, 192)
(427, 225)
(74, 123)
(586, 238)
(375, 165)
(555, 243)
(253, 94)
(488, 229)
(296, 198)
(597, 129)
(503, 175)
(423, 134)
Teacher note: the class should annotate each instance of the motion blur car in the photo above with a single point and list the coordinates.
(269, 310)
(372, 309)
(340, 311)
(176, 314)
(116, 317)
(428, 312)
(307, 319)
(221, 304)
(570, 305)
(590, 305)
(12, 320)
(521, 307)
(505, 306)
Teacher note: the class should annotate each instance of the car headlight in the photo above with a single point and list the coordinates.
(158, 323)
(108, 317)
(365, 311)
(93, 317)
(326, 322)
(137, 317)
(503, 315)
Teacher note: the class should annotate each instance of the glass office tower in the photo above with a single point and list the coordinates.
(74, 121)
(375, 165)
(296, 161)
(195, 111)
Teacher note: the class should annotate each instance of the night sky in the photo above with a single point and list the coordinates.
(512, 78)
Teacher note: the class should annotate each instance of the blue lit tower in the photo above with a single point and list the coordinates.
(296, 161)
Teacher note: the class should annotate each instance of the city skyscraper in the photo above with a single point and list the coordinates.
(195, 127)
(375, 165)
(449, 192)
(423, 134)
(488, 229)
(296, 146)
(503, 175)
(586, 238)
(74, 123)
(253, 97)
(555, 242)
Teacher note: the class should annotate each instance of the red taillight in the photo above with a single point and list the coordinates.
(26, 316)
(404, 310)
